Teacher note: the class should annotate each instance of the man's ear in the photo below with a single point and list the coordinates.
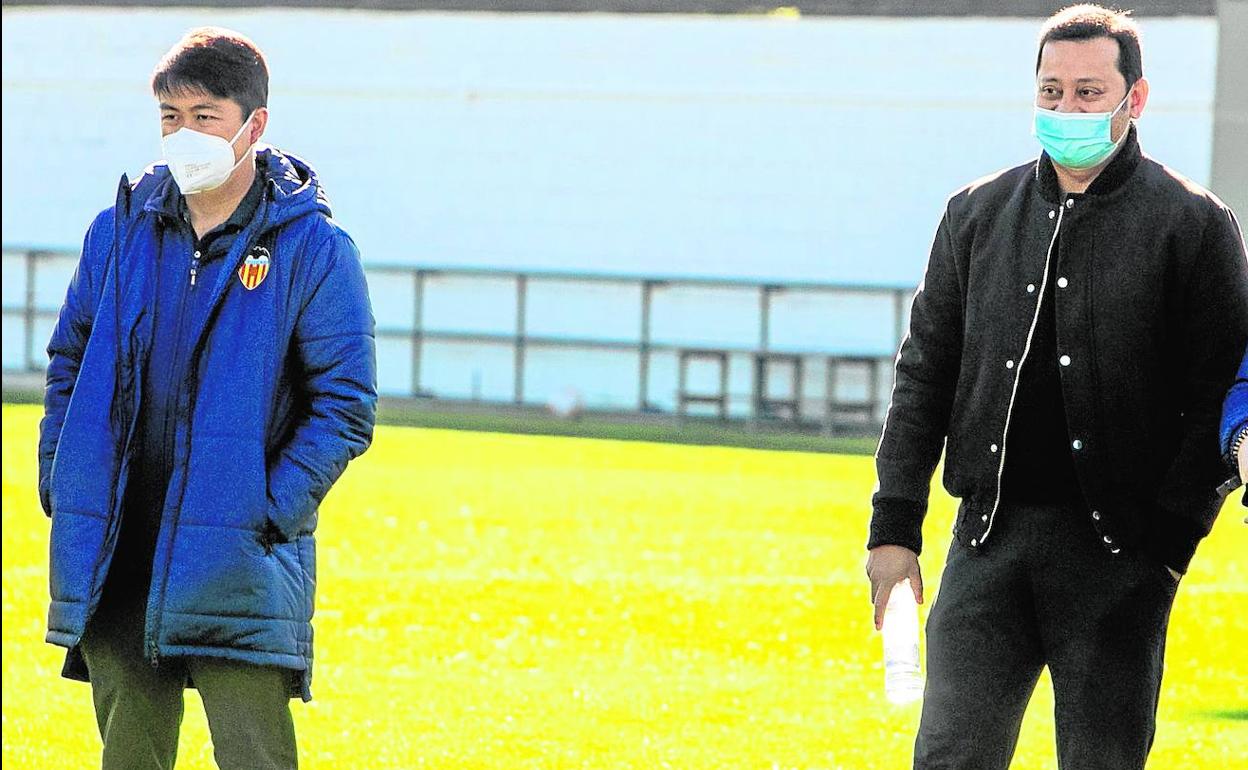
(259, 122)
(1138, 97)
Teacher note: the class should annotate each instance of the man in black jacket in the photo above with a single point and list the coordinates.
(1080, 318)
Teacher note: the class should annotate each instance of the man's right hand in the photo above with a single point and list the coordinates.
(888, 565)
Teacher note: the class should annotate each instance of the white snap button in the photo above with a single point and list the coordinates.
(1062, 282)
(1065, 360)
(984, 518)
(993, 448)
(974, 542)
(1077, 444)
(1108, 540)
(1070, 203)
(1096, 515)
(1114, 550)
(1009, 364)
(1052, 214)
(1031, 288)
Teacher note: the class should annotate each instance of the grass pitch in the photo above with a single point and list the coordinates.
(504, 601)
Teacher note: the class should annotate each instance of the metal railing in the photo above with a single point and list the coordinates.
(522, 340)
(29, 310)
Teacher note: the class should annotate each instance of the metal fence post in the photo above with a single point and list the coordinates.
(521, 292)
(32, 258)
(418, 328)
(643, 348)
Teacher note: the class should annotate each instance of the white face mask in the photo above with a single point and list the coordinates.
(201, 162)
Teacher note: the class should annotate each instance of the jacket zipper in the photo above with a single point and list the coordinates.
(152, 646)
(171, 422)
(1018, 373)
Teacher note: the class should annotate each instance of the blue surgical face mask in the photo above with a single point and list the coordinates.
(1077, 140)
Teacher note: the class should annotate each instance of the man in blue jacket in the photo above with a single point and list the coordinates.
(1235, 425)
(1069, 349)
(211, 374)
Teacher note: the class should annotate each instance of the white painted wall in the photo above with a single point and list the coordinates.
(819, 149)
(816, 149)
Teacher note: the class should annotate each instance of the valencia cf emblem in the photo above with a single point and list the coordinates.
(254, 268)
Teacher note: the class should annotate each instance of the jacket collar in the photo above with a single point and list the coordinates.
(167, 200)
(243, 212)
(288, 183)
(1110, 179)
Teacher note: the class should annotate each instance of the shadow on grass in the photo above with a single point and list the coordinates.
(637, 427)
(664, 429)
(1235, 715)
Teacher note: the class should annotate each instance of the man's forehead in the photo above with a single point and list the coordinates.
(193, 98)
(1080, 60)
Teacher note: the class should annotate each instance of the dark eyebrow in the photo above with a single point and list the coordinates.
(1097, 81)
(195, 107)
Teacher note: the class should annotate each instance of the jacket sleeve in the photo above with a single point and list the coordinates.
(1214, 331)
(69, 340)
(1235, 410)
(333, 342)
(918, 415)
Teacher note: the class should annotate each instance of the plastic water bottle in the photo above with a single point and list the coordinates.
(902, 681)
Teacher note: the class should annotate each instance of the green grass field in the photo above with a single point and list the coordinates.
(504, 601)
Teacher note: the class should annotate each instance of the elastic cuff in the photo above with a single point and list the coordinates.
(897, 522)
(45, 500)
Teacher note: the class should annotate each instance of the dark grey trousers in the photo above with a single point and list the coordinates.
(139, 707)
(1044, 592)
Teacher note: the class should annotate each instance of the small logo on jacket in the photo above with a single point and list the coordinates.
(254, 268)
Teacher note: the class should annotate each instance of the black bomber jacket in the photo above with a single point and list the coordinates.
(1152, 319)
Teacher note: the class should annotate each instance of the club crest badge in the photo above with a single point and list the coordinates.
(254, 268)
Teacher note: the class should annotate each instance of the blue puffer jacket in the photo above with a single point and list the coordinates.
(280, 394)
(1235, 411)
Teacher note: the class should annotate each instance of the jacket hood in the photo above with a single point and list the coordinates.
(292, 189)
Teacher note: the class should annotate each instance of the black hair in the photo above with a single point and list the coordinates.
(219, 62)
(1088, 22)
